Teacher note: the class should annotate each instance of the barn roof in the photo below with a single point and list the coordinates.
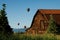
(50, 11)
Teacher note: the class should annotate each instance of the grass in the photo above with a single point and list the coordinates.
(37, 37)
(16, 36)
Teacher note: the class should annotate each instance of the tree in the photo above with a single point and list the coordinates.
(4, 25)
(58, 29)
(52, 25)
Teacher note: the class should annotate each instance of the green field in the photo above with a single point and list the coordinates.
(30, 37)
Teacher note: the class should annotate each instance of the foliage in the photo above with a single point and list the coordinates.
(27, 37)
(52, 25)
(4, 25)
(58, 29)
(8, 37)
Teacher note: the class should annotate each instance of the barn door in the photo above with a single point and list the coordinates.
(43, 24)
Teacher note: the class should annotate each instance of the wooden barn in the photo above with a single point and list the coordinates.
(40, 20)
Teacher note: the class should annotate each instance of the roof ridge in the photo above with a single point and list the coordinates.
(48, 9)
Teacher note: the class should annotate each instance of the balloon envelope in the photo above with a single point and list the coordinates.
(18, 23)
(28, 9)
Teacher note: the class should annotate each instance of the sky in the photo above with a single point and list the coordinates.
(17, 10)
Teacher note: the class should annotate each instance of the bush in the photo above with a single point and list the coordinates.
(26, 37)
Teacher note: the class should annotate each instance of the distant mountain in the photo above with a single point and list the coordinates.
(19, 30)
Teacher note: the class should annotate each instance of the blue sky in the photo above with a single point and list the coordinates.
(17, 10)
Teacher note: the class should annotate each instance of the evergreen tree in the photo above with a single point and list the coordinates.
(52, 25)
(4, 25)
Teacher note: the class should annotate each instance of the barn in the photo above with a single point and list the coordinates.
(41, 20)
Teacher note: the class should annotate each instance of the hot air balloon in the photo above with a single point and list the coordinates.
(25, 27)
(18, 23)
(4, 5)
(28, 9)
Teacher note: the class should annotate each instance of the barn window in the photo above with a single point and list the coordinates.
(45, 21)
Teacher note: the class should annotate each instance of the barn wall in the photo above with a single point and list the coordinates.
(36, 27)
(39, 24)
